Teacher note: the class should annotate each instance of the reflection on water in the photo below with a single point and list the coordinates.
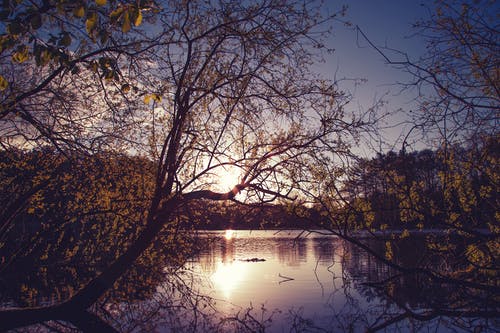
(228, 234)
(274, 282)
(228, 277)
(280, 271)
(318, 278)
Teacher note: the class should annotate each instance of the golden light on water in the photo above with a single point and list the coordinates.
(228, 276)
(229, 234)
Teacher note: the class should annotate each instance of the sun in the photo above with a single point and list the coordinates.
(227, 177)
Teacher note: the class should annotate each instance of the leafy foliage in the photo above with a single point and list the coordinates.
(196, 86)
(449, 197)
(83, 211)
(458, 74)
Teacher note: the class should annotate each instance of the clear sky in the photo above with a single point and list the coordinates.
(388, 23)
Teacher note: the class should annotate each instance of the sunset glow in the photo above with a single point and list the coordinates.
(352, 145)
(228, 177)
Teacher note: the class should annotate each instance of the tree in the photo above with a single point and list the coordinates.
(461, 66)
(60, 85)
(60, 80)
(207, 87)
(458, 82)
(457, 77)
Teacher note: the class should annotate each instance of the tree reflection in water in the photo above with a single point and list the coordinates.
(415, 300)
(357, 292)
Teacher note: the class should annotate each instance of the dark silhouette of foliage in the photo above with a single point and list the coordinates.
(196, 87)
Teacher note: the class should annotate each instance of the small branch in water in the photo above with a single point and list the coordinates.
(286, 278)
(253, 260)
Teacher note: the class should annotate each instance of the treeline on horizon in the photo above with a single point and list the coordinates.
(78, 214)
(43, 188)
(454, 187)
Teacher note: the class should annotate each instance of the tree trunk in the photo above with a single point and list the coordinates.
(77, 305)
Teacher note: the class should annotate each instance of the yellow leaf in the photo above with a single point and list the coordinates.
(126, 22)
(405, 234)
(138, 19)
(154, 97)
(115, 14)
(157, 98)
(3, 83)
(79, 12)
(126, 88)
(388, 251)
(21, 55)
(91, 23)
(100, 2)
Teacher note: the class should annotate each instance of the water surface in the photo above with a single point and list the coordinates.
(314, 282)
(265, 281)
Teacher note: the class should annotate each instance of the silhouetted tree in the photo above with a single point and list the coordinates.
(453, 188)
(198, 87)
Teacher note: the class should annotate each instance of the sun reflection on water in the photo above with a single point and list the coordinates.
(228, 276)
(229, 234)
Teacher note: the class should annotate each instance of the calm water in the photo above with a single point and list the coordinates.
(277, 270)
(265, 281)
(316, 282)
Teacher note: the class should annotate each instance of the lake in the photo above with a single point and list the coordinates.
(264, 281)
(314, 283)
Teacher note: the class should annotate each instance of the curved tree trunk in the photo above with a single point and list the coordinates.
(74, 310)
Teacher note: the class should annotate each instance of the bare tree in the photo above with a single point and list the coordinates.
(457, 76)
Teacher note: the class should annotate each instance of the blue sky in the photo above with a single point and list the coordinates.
(386, 23)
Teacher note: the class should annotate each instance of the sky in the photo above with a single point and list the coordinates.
(386, 23)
